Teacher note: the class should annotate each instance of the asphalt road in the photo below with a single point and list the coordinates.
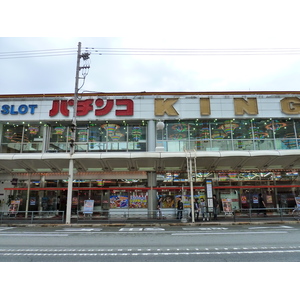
(238, 243)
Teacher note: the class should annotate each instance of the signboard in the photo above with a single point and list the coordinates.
(183, 107)
(138, 201)
(209, 194)
(14, 207)
(118, 201)
(32, 201)
(227, 206)
(88, 206)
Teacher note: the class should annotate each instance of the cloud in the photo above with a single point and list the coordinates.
(149, 73)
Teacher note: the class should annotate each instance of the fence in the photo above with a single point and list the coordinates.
(254, 214)
(115, 216)
(30, 217)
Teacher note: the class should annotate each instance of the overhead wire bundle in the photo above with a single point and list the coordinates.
(151, 51)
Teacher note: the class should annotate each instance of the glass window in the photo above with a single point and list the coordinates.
(241, 129)
(200, 131)
(177, 130)
(33, 138)
(297, 127)
(58, 138)
(137, 137)
(221, 129)
(285, 134)
(12, 138)
(22, 138)
(263, 129)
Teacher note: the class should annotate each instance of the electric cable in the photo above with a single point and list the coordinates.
(151, 51)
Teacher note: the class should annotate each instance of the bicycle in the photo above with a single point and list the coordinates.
(296, 213)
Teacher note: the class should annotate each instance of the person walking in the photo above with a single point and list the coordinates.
(159, 206)
(215, 206)
(203, 209)
(262, 205)
(179, 208)
(196, 209)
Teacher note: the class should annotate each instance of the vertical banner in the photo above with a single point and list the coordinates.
(209, 193)
(88, 206)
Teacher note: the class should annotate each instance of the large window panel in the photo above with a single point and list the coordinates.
(221, 129)
(22, 138)
(12, 138)
(33, 138)
(263, 129)
(242, 130)
(176, 130)
(58, 139)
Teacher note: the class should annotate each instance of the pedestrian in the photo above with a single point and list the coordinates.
(262, 205)
(159, 206)
(196, 209)
(58, 202)
(179, 208)
(203, 209)
(215, 206)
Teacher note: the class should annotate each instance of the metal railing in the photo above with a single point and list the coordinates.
(169, 215)
(253, 214)
(115, 216)
(25, 217)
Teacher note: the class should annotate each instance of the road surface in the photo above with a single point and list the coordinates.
(239, 243)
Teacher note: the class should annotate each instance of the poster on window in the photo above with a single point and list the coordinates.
(118, 201)
(32, 201)
(244, 199)
(227, 205)
(297, 199)
(14, 207)
(269, 199)
(88, 206)
(138, 202)
(255, 200)
(186, 200)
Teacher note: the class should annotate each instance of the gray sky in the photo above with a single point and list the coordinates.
(199, 24)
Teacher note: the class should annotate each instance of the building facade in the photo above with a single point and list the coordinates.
(132, 148)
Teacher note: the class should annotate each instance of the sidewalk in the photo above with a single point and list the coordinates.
(151, 222)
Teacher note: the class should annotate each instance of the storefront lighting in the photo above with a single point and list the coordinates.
(160, 125)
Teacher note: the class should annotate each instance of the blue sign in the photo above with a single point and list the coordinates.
(20, 109)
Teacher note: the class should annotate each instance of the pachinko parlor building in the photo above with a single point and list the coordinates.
(127, 150)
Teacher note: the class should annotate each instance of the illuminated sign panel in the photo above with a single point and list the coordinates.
(150, 107)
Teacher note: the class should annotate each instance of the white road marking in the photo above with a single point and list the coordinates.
(145, 252)
(5, 228)
(204, 229)
(274, 227)
(131, 229)
(134, 229)
(79, 229)
(33, 234)
(227, 233)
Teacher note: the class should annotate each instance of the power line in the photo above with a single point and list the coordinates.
(169, 51)
(152, 51)
(37, 53)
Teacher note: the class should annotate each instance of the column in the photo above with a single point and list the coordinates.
(152, 199)
(151, 135)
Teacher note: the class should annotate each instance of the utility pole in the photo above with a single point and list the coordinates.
(73, 126)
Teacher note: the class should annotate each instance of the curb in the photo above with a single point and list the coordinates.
(155, 224)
